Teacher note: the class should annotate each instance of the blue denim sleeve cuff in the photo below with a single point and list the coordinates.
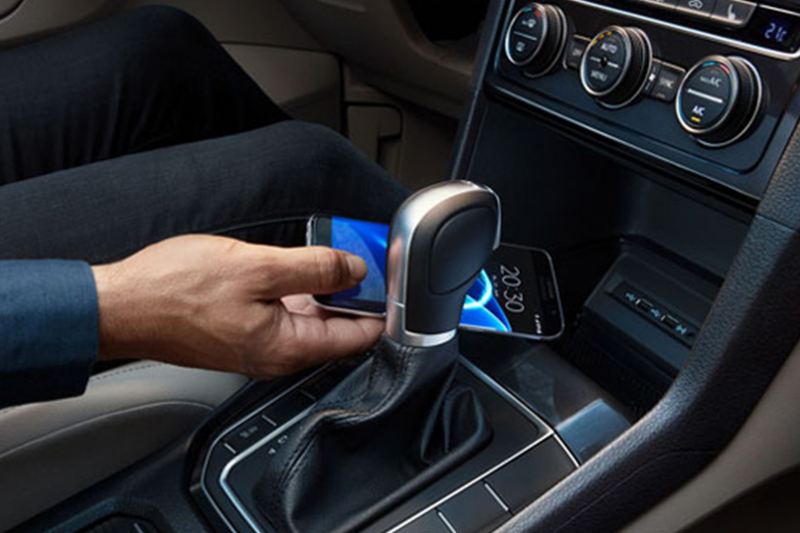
(48, 329)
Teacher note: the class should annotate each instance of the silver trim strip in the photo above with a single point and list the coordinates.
(705, 96)
(775, 54)
(446, 522)
(526, 410)
(496, 497)
(223, 478)
(224, 433)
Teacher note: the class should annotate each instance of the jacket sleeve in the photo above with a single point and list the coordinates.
(48, 329)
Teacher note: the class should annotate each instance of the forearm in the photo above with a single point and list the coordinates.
(48, 329)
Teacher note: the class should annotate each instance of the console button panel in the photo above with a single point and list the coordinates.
(462, 500)
(685, 82)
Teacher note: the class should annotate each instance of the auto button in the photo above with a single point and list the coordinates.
(616, 64)
(606, 62)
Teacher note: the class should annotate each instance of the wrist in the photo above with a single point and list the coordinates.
(112, 322)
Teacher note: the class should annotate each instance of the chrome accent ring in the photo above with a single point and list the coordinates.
(509, 56)
(734, 77)
(649, 66)
(625, 66)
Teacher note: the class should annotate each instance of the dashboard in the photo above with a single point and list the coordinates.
(700, 86)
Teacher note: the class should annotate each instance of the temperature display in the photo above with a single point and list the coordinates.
(775, 30)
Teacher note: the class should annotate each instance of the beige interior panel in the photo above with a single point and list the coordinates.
(6, 6)
(305, 84)
(382, 42)
(767, 445)
(264, 22)
(52, 450)
(261, 35)
(34, 17)
(412, 142)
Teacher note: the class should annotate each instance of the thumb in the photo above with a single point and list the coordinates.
(313, 270)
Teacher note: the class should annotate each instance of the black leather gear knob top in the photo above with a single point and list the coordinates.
(440, 239)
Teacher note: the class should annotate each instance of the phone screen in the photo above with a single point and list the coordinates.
(515, 293)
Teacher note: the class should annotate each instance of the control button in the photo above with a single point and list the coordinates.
(575, 50)
(427, 523)
(697, 8)
(319, 385)
(630, 297)
(287, 408)
(719, 99)
(684, 331)
(665, 4)
(670, 321)
(615, 65)
(733, 13)
(655, 68)
(525, 35)
(530, 475)
(644, 305)
(666, 85)
(536, 38)
(606, 62)
(247, 433)
(474, 509)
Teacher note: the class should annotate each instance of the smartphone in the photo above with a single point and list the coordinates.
(515, 294)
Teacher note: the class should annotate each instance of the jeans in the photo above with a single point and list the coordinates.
(140, 127)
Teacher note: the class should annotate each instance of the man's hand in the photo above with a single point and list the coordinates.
(219, 303)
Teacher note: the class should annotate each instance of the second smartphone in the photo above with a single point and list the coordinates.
(515, 294)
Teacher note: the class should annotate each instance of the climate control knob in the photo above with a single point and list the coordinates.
(615, 65)
(719, 99)
(536, 38)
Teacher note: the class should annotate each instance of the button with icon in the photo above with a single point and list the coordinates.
(733, 13)
(698, 8)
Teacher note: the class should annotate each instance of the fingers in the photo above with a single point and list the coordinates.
(312, 270)
(304, 340)
(321, 339)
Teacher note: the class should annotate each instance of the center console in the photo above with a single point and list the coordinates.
(642, 143)
(705, 86)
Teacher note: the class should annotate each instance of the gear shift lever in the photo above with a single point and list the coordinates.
(440, 239)
(400, 420)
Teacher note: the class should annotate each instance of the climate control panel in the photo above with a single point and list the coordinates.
(699, 96)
